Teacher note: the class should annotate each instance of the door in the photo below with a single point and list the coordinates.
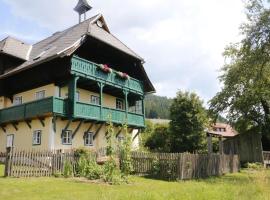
(10, 140)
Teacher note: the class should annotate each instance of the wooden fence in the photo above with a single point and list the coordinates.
(2, 158)
(184, 166)
(266, 156)
(181, 166)
(21, 163)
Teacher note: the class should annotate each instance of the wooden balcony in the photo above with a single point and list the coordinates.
(34, 109)
(59, 107)
(87, 69)
(95, 112)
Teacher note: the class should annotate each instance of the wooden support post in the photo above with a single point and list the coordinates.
(90, 127)
(15, 126)
(4, 129)
(69, 122)
(137, 134)
(101, 87)
(42, 121)
(8, 161)
(77, 129)
(220, 145)
(54, 123)
(72, 89)
(209, 143)
(126, 105)
(97, 131)
(28, 122)
(118, 133)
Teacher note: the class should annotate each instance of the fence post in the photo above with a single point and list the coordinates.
(220, 145)
(7, 162)
(209, 143)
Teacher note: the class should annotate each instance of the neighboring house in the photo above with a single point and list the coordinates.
(222, 130)
(60, 92)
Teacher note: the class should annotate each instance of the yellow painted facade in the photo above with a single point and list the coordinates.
(23, 137)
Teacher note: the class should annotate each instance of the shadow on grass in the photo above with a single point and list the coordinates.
(239, 178)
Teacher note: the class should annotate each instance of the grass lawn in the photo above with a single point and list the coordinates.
(251, 185)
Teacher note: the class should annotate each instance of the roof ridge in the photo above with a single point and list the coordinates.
(67, 29)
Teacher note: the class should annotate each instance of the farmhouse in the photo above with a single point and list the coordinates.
(61, 92)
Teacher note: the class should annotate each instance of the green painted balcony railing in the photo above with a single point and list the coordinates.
(92, 112)
(88, 69)
(34, 109)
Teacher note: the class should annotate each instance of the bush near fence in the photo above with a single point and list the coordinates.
(183, 166)
(170, 166)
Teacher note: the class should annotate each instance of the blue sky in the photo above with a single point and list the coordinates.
(181, 41)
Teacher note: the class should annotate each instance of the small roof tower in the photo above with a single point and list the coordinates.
(82, 8)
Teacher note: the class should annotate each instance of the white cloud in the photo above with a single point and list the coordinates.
(181, 41)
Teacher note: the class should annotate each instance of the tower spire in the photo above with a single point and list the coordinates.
(82, 7)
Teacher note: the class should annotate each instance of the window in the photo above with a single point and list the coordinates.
(10, 140)
(67, 137)
(37, 137)
(120, 139)
(40, 95)
(119, 104)
(17, 101)
(77, 96)
(88, 139)
(95, 100)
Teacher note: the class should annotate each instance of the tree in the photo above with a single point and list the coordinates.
(245, 96)
(157, 107)
(188, 121)
(159, 141)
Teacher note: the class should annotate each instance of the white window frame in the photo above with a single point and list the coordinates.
(17, 100)
(66, 137)
(37, 137)
(40, 94)
(89, 139)
(120, 105)
(12, 140)
(95, 99)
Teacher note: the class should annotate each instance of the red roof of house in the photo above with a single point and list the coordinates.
(224, 130)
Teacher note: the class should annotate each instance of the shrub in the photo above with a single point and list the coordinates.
(255, 166)
(68, 172)
(155, 171)
(110, 170)
(125, 150)
(93, 171)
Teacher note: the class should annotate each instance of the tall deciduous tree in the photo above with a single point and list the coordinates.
(188, 122)
(245, 96)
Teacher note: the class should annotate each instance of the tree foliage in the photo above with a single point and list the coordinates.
(185, 133)
(157, 107)
(188, 122)
(159, 141)
(245, 96)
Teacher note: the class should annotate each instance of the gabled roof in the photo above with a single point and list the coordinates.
(66, 42)
(15, 48)
(224, 130)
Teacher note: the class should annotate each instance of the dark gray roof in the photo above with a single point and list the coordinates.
(15, 48)
(66, 42)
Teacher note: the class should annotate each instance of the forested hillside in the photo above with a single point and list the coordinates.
(157, 107)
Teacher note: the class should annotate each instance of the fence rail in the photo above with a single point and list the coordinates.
(184, 166)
